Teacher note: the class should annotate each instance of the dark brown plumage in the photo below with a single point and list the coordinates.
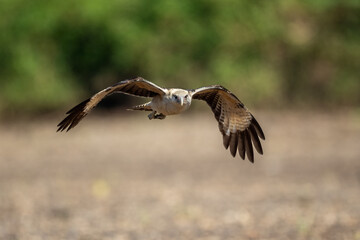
(238, 126)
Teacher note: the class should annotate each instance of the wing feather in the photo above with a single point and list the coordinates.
(255, 139)
(226, 141)
(248, 146)
(238, 126)
(136, 87)
(233, 143)
(258, 129)
(241, 145)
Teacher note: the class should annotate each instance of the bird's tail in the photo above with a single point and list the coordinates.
(142, 107)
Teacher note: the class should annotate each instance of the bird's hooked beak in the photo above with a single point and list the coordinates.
(182, 101)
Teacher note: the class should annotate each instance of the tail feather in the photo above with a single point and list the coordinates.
(142, 107)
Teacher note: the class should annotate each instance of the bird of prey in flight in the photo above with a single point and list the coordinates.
(238, 126)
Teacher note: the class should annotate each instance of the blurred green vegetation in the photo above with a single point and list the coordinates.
(284, 52)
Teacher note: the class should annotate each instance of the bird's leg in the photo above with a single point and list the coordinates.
(152, 115)
(155, 115)
(159, 116)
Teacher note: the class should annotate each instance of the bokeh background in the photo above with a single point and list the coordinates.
(283, 52)
(295, 64)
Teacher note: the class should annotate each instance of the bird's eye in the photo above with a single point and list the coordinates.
(186, 96)
(176, 97)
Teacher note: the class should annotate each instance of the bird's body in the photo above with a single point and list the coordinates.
(238, 126)
(174, 101)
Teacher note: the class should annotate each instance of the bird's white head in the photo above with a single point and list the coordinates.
(180, 97)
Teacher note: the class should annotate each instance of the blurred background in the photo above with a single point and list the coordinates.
(271, 52)
(295, 64)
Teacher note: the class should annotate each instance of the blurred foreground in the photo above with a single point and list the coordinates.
(131, 178)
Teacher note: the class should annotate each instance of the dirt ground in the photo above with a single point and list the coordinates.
(116, 177)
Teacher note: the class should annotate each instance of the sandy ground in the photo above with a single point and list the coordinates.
(116, 177)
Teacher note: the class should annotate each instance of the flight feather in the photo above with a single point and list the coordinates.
(237, 125)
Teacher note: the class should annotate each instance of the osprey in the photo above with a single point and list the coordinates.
(238, 126)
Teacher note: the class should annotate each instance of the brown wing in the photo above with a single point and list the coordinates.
(238, 126)
(136, 87)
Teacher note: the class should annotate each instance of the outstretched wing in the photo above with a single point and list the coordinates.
(136, 87)
(238, 126)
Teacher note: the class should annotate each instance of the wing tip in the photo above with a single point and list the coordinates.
(257, 127)
(242, 142)
(226, 141)
(233, 143)
(248, 147)
(255, 139)
(74, 117)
